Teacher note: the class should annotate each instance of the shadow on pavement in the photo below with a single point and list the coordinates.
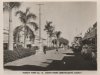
(73, 63)
(69, 53)
(25, 68)
(76, 62)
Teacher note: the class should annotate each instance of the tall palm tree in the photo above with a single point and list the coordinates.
(25, 19)
(54, 42)
(50, 31)
(9, 6)
(57, 33)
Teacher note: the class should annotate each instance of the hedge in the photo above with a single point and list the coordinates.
(18, 53)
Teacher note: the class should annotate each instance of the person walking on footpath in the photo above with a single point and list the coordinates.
(44, 49)
(56, 49)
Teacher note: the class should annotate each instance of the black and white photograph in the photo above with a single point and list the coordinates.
(50, 36)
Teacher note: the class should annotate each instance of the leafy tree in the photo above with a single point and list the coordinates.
(63, 41)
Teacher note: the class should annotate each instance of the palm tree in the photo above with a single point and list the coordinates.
(57, 33)
(51, 34)
(25, 18)
(9, 6)
(54, 42)
(50, 31)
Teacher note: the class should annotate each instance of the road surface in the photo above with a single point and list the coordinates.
(52, 60)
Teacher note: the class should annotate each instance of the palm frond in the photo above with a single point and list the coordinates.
(22, 16)
(48, 22)
(29, 32)
(27, 10)
(19, 12)
(23, 20)
(18, 28)
(5, 6)
(11, 5)
(14, 4)
(34, 25)
(17, 31)
(31, 15)
(49, 27)
(58, 33)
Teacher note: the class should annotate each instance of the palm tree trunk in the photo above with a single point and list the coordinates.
(24, 38)
(57, 43)
(48, 40)
(16, 40)
(10, 37)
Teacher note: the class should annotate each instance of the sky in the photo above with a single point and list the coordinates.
(71, 18)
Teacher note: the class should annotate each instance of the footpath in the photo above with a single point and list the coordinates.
(41, 59)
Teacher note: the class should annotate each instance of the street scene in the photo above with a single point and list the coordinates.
(50, 36)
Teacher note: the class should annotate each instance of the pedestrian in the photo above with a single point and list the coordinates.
(57, 50)
(44, 49)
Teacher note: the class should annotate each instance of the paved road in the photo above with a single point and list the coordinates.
(52, 60)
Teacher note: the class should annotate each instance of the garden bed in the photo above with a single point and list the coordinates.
(18, 53)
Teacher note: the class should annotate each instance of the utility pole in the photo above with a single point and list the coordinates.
(40, 38)
(40, 21)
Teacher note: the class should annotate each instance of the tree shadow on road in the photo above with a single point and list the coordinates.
(76, 62)
(25, 68)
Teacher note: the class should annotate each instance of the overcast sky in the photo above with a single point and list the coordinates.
(71, 18)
